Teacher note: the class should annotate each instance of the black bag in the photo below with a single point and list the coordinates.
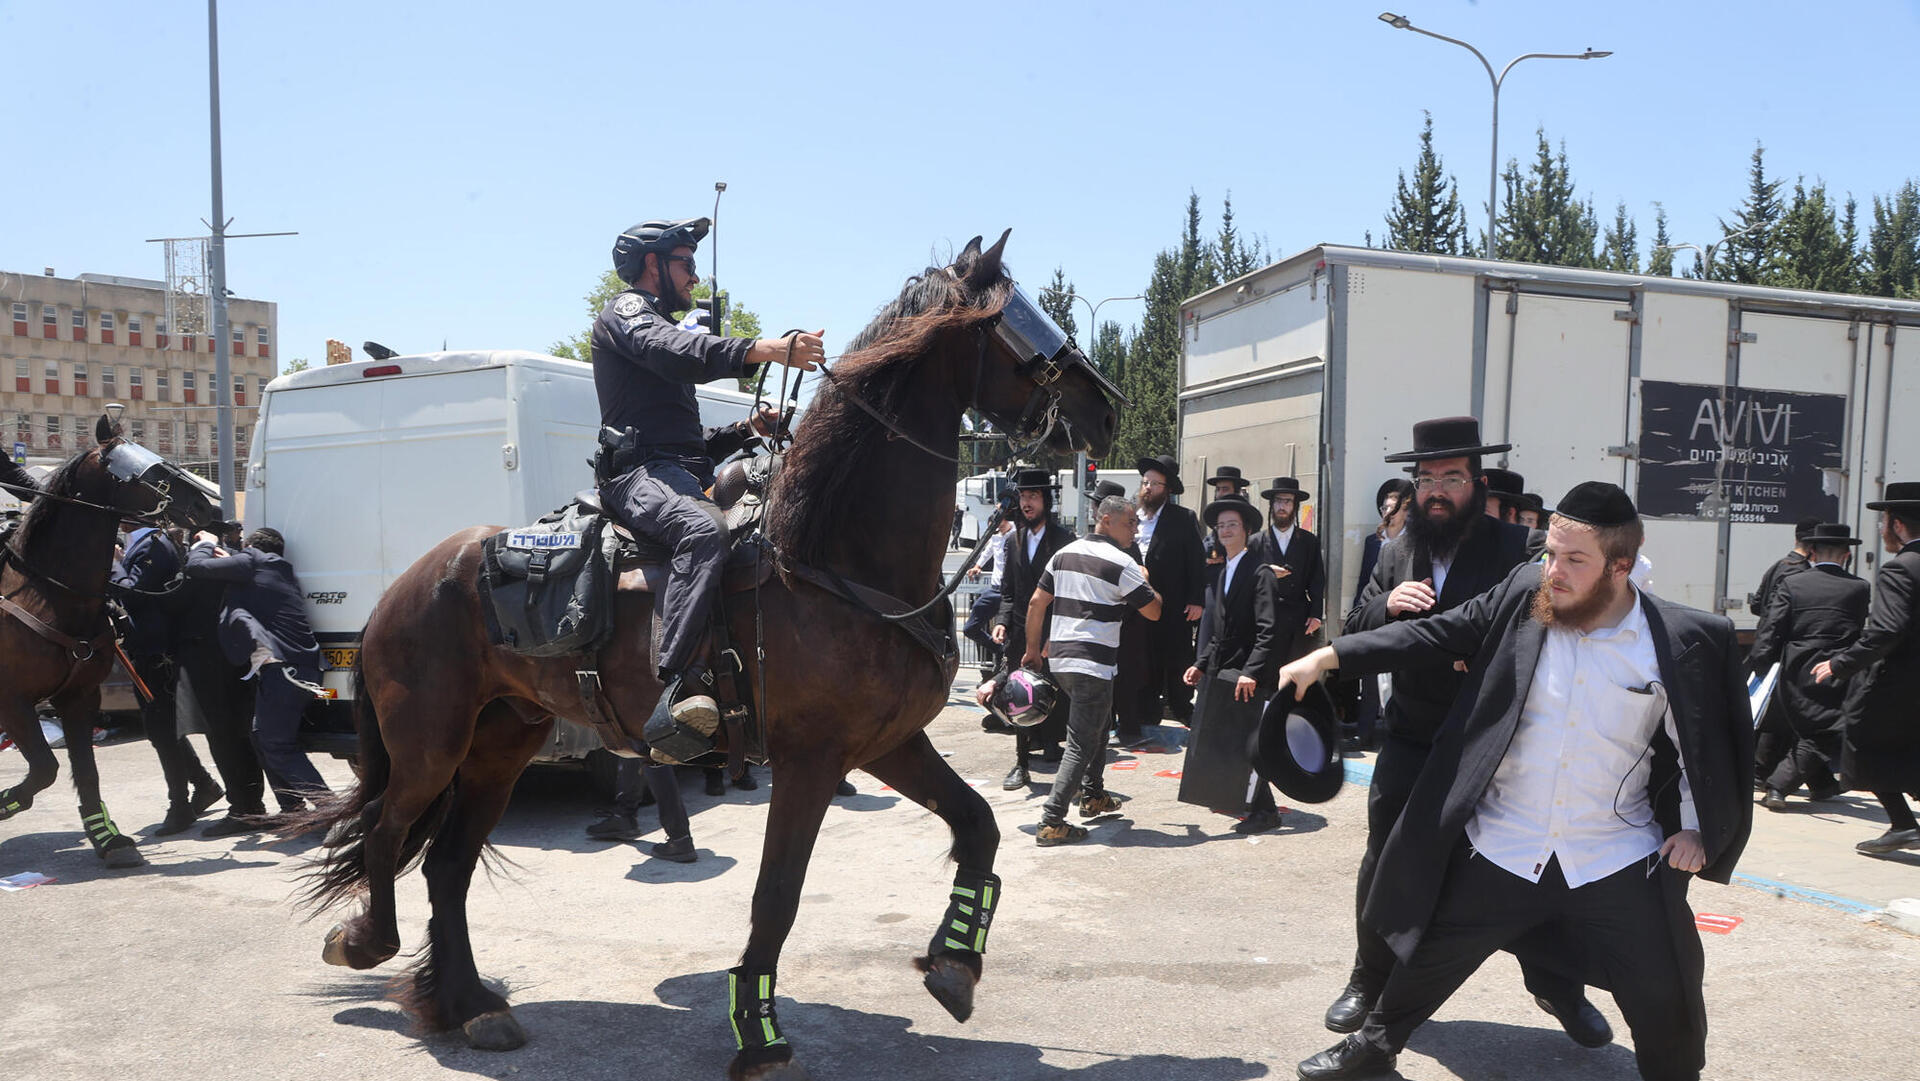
(548, 587)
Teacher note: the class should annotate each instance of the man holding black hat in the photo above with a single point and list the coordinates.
(1593, 762)
(1292, 554)
(1032, 543)
(1882, 670)
(1174, 552)
(1812, 616)
(1450, 552)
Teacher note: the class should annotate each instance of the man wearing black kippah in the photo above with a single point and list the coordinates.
(1592, 763)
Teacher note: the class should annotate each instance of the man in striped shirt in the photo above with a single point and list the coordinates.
(1091, 583)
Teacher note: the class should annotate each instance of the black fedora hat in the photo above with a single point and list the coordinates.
(1447, 437)
(1505, 483)
(1286, 486)
(1829, 534)
(1901, 495)
(1249, 514)
(1297, 746)
(1105, 488)
(1166, 466)
(1033, 480)
(1230, 474)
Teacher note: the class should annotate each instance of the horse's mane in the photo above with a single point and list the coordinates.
(816, 485)
(67, 480)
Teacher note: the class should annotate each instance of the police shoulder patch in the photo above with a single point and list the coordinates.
(626, 306)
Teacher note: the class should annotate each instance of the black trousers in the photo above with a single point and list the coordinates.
(1622, 920)
(1394, 772)
(278, 706)
(979, 625)
(636, 777)
(226, 702)
(179, 766)
(662, 502)
(1808, 760)
(1167, 652)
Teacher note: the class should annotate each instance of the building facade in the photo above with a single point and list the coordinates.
(72, 345)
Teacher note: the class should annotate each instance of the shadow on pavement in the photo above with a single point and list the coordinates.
(1495, 1051)
(708, 866)
(70, 860)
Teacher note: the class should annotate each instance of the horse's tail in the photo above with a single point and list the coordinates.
(339, 872)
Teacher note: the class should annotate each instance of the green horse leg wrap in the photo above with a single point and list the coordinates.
(969, 913)
(100, 828)
(750, 1009)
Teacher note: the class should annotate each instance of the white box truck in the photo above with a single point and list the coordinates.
(365, 466)
(1727, 411)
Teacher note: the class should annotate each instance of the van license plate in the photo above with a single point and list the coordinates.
(340, 658)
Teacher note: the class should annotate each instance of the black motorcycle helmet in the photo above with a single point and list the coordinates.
(659, 237)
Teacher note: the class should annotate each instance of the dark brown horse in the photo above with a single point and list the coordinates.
(448, 721)
(55, 641)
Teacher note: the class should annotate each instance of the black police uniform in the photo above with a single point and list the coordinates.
(644, 369)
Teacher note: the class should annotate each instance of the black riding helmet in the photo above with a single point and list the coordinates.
(659, 237)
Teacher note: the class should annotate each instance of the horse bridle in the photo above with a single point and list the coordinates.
(123, 474)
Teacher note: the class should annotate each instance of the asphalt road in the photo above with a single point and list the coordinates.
(1164, 949)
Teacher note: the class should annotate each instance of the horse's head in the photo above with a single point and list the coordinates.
(1031, 381)
(145, 486)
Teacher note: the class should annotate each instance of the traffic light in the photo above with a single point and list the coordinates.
(1092, 477)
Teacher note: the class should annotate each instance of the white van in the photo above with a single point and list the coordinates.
(363, 467)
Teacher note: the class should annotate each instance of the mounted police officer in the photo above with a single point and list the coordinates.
(645, 368)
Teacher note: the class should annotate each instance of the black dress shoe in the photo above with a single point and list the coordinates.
(1347, 1059)
(179, 817)
(1890, 841)
(679, 850)
(1774, 800)
(845, 788)
(1016, 778)
(716, 782)
(745, 781)
(1582, 1021)
(1350, 1010)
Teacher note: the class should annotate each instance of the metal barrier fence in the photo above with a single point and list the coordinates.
(972, 657)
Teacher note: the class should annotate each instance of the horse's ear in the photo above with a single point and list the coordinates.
(103, 430)
(986, 269)
(965, 260)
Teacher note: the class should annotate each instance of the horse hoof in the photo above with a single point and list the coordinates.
(334, 952)
(340, 949)
(496, 1031)
(789, 1070)
(122, 856)
(951, 984)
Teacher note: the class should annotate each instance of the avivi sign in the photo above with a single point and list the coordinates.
(1770, 447)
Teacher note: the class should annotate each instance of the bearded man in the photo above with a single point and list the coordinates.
(1592, 763)
(1450, 552)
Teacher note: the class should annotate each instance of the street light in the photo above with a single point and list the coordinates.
(1706, 253)
(1093, 328)
(1401, 22)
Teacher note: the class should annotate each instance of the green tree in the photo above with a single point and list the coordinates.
(1620, 249)
(1057, 300)
(740, 322)
(1893, 244)
(1752, 257)
(297, 364)
(1814, 251)
(1660, 259)
(1543, 219)
(1238, 255)
(1426, 215)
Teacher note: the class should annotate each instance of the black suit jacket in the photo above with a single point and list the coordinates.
(1241, 630)
(1423, 693)
(1882, 668)
(265, 618)
(1020, 576)
(1700, 665)
(1177, 561)
(16, 475)
(1762, 599)
(1305, 590)
(1811, 617)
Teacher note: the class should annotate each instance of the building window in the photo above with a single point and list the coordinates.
(159, 333)
(239, 389)
(260, 341)
(239, 436)
(186, 386)
(80, 432)
(139, 431)
(165, 430)
(106, 328)
(79, 324)
(23, 428)
(159, 384)
(260, 386)
(53, 377)
(19, 320)
(49, 321)
(53, 432)
(22, 377)
(80, 380)
(109, 382)
(136, 377)
(133, 331)
(239, 342)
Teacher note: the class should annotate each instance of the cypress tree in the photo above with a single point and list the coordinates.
(1426, 215)
(1660, 259)
(1544, 220)
(1813, 250)
(1893, 244)
(1752, 257)
(1057, 301)
(1621, 250)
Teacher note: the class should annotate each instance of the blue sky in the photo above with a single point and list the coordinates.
(457, 171)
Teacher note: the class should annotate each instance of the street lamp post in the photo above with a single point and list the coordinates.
(1093, 328)
(1706, 253)
(1401, 22)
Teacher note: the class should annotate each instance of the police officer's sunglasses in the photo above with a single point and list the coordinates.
(693, 269)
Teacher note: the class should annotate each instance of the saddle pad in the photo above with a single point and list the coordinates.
(548, 587)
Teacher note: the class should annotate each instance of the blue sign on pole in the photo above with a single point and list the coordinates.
(19, 454)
